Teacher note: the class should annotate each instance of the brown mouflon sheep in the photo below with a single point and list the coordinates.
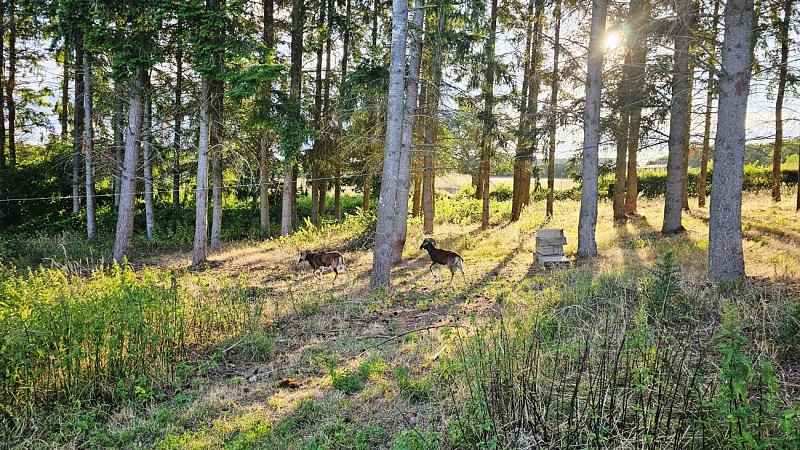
(452, 260)
(321, 260)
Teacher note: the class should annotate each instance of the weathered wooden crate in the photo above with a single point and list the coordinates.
(550, 246)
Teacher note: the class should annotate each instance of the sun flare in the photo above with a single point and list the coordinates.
(613, 39)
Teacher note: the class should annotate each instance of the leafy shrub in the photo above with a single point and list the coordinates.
(662, 289)
(501, 193)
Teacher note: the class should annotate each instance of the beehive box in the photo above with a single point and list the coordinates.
(550, 246)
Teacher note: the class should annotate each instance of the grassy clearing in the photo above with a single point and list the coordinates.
(631, 349)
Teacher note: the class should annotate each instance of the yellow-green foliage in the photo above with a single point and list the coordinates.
(113, 334)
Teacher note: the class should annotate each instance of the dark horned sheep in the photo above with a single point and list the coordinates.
(451, 260)
(319, 261)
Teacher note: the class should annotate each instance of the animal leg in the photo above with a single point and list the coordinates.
(431, 269)
(335, 276)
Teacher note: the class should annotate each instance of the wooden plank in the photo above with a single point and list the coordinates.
(543, 259)
(551, 241)
(549, 232)
(549, 250)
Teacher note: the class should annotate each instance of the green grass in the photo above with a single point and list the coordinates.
(630, 349)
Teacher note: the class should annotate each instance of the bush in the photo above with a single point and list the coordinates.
(502, 192)
(652, 182)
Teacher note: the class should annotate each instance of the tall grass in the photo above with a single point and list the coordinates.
(603, 371)
(110, 335)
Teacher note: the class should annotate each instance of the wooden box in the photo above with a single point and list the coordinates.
(550, 246)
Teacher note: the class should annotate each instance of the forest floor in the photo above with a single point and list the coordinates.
(347, 368)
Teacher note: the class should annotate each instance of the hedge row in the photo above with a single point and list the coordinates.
(652, 182)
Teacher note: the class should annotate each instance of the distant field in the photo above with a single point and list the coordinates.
(453, 182)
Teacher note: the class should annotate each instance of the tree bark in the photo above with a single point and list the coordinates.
(147, 157)
(687, 144)
(587, 220)
(201, 196)
(119, 143)
(410, 106)
(640, 21)
(78, 124)
(3, 160)
(216, 137)
(263, 181)
(289, 161)
(177, 130)
(551, 158)
(488, 110)
(679, 108)
(522, 169)
(127, 199)
(431, 129)
(783, 39)
(382, 256)
(416, 202)
(622, 132)
(64, 113)
(367, 191)
(88, 145)
(725, 254)
(268, 39)
(11, 83)
(702, 182)
(316, 150)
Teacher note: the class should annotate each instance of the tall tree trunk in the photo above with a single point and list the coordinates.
(147, 156)
(3, 160)
(268, 39)
(324, 173)
(587, 220)
(64, 113)
(337, 191)
(177, 130)
(382, 256)
(551, 158)
(523, 140)
(783, 39)
(367, 191)
(289, 161)
(119, 143)
(431, 129)
(11, 83)
(337, 197)
(404, 170)
(88, 145)
(687, 135)
(711, 89)
(77, 128)
(679, 108)
(725, 254)
(316, 150)
(127, 199)
(416, 202)
(488, 113)
(201, 196)
(640, 21)
(216, 164)
(216, 138)
(623, 127)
